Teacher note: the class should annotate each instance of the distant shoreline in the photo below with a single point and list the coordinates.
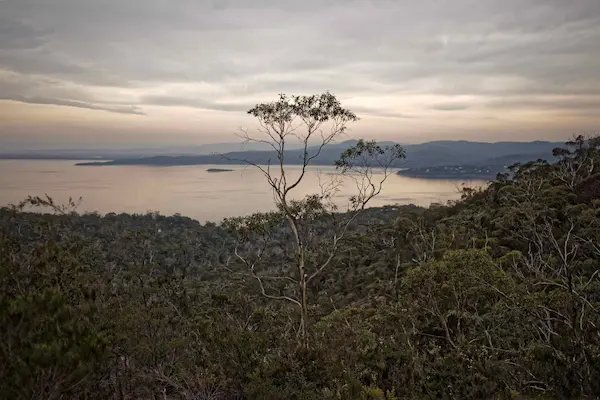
(455, 172)
(430, 160)
(451, 177)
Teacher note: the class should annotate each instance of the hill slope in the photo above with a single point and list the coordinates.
(496, 296)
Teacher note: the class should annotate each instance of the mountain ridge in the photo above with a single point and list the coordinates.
(428, 154)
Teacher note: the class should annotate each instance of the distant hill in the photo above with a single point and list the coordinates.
(444, 153)
(430, 154)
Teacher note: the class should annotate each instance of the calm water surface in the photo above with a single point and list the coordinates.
(190, 190)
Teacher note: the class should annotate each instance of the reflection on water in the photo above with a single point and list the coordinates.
(190, 190)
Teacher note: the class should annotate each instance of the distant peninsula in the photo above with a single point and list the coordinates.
(444, 154)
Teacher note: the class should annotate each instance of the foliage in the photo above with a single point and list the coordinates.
(494, 296)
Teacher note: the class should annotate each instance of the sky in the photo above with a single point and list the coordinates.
(120, 73)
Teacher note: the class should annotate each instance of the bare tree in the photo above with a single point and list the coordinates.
(316, 121)
(47, 202)
(576, 160)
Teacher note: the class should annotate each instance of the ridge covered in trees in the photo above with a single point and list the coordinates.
(493, 296)
(423, 155)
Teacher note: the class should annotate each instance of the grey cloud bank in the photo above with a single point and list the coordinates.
(403, 59)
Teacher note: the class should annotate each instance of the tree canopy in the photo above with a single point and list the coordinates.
(493, 296)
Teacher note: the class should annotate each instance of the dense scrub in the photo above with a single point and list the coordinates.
(494, 296)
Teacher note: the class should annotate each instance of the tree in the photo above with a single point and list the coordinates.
(578, 159)
(316, 121)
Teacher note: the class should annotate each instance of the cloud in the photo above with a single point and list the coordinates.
(418, 57)
(362, 111)
(173, 101)
(78, 104)
(450, 107)
(14, 34)
(554, 103)
(36, 89)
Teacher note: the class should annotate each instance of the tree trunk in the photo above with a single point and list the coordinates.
(302, 278)
(303, 298)
(304, 310)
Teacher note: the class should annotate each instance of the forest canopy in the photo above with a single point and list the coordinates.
(493, 296)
